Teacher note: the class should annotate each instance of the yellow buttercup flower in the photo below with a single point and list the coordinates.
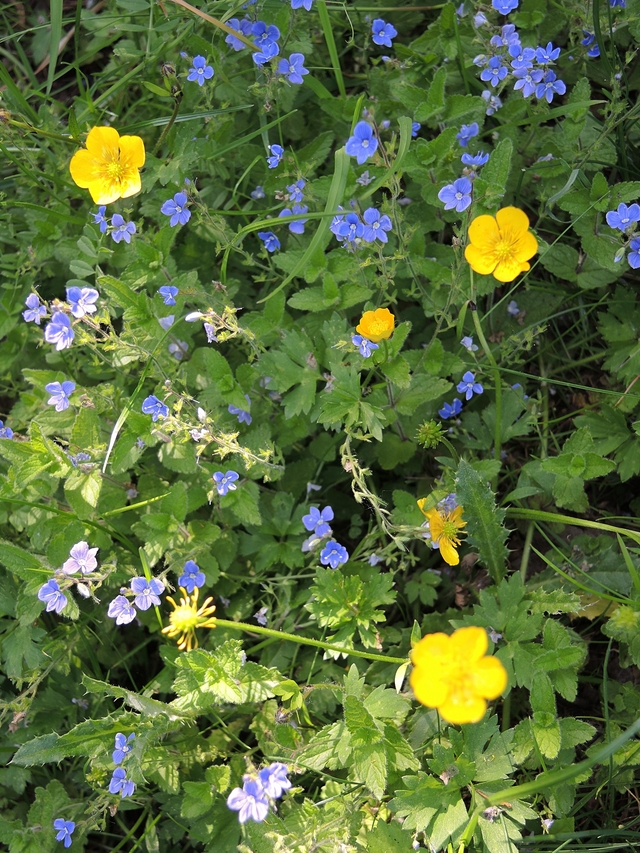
(453, 674)
(444, 526)
(376, 325)
(109, 167)
(186, 617)
(501, 245)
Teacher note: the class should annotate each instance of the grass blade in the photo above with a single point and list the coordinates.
(56, 34)
(331, 44)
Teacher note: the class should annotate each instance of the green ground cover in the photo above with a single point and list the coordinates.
(320, 446)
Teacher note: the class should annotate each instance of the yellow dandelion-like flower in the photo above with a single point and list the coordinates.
(376, 325)
(502, 245)
(454, 675)
(187, 616)
(109, 166)
(444, 526)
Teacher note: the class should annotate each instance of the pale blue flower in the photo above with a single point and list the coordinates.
(199, 73)
(333, 554)
(54, 598)
(60, 393)
(123, 748)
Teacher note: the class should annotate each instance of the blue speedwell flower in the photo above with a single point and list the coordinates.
(244, 26)
(258, 193)
(178, 349)
(168, 293)
(467, 132)
(5, 431)
(522, 57)
(81, 300)
(295, 191)
(350, 228)
(200, 71)
(468, 385)
(633, 257)
(550, 86)
(146, 592)
(493, 74)
(293, 68)
(250, 801)
(505, 6)
(297, 209)
(363, 144)
(276, 155)
(54, 598)
(333, 554)
(415, 128)
(176, 208)
(59, 331)
(242, 414)
(624, 218)
(375, 226)
(512, 308)
(527, 80)
(316, 521)
(100, 219)
(121, 610)
(191, 577)
(119, 783)
(121, 230)
(508, 36)
(301, 4)
(274, 779)
(548, 54)
(167, 322)
(365, 347)
(82, 559)
(225, 482)
(154, 407)
(475, 160)
(456, 195)
(271, 242)
(382, 33)
(264, 35)
(64, 829)
(589, 39)
(468, 344)
(450, 410)
(123, 747)
(60, 393)
(35, 311)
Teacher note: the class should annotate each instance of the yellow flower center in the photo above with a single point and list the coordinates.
(185, 618)
(115, 170)
(504, 249)
(450, 530)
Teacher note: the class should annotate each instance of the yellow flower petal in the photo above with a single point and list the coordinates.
(421, 505)
(526, 247)
(132, 152)
(428, 690)
(469, 644)
(102, 142)
(489, 678)
(508, 269)
(431, 647)
(483, 232)
(449, 553)
(82, 168)
(512, 221)
(480, 260)
(460, 708)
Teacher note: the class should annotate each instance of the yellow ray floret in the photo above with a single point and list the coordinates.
(109, 166)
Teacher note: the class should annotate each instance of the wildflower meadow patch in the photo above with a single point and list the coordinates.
(319, 436)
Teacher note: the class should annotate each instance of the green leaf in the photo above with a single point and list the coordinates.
(484, 520)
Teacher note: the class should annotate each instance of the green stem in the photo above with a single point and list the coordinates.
(557, 518)
(526, 551)
(176, 106)
(31, 129)
(497, 436)
(305, 641)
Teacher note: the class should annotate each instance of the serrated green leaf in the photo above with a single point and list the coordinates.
(484, 520)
